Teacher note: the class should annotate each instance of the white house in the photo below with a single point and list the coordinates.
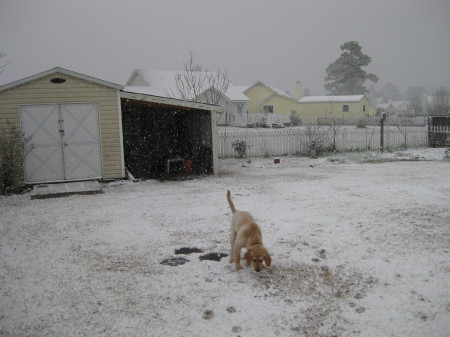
(393, 107)
(163, 83)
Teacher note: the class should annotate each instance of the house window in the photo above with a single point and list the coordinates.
(345, 108)
(268, 109)
(364, 108)
(239, 107)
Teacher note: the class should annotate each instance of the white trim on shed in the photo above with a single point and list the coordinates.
(62, 71)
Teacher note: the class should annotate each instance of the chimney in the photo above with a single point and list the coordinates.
(298, 93)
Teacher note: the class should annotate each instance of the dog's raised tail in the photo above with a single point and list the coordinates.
(233, 209)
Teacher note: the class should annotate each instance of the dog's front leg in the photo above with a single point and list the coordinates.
(237, 257)
(233, 240)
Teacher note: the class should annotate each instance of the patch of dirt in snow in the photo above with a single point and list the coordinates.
(430, 224)
(324, 290)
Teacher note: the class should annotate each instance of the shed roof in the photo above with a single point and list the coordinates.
(61, 71)
(326, 99)
(167, 100)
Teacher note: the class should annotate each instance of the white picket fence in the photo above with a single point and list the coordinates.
(253, 119)
(295, 141)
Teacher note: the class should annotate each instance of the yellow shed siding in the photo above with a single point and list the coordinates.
(74, 90)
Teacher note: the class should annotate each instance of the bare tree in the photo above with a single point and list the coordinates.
(402, 127)
(3, 65)
(198, 84)
(415, 97)
(334, 123)
(316, 140)
(441, 103)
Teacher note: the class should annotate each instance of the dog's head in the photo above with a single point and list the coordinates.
(256, 255)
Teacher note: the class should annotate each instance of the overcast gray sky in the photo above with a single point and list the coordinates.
(278, 41)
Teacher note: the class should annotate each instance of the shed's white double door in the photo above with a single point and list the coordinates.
(65, 142)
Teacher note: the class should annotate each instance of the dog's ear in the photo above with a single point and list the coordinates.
(248, 256)
(267, 258)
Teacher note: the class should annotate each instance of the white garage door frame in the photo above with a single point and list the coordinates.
(65, 140)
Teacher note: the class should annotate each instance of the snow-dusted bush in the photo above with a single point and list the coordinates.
(240, 148)
(12, 152)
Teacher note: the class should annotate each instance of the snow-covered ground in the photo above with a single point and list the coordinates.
(360, 244)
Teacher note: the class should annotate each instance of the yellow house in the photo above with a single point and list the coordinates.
(267, 99)
(352, 106)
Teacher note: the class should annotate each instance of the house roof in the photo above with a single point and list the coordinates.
(163, 83)
(400, 104)
(323, 99)
(272, 88)
(385, 106)
(60, 71)
(160, 81)
(236, 93)
(378, 101)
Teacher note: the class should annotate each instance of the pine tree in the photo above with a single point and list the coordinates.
(345, 76)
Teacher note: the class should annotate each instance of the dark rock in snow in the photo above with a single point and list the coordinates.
(212, 256)
(188, 250)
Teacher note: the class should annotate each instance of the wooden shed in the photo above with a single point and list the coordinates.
(74, 122)
(166, 137)
(438, 130)
(75, 125)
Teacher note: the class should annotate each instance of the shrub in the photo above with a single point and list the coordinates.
(240, 148)
(316, 140)
(361, 123)
(13, 150)
(295, 119)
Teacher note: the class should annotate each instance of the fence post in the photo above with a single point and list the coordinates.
(383, 118)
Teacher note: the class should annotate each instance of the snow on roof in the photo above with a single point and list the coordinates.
(163, 83)
(236, 93)
(158, 79)
(384, 106)
(272, 88)
(389, 103)
(398, 104)
(377, 101)
(278, 91)
(343, 98)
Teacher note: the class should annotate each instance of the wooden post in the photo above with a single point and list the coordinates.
(383, 118)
